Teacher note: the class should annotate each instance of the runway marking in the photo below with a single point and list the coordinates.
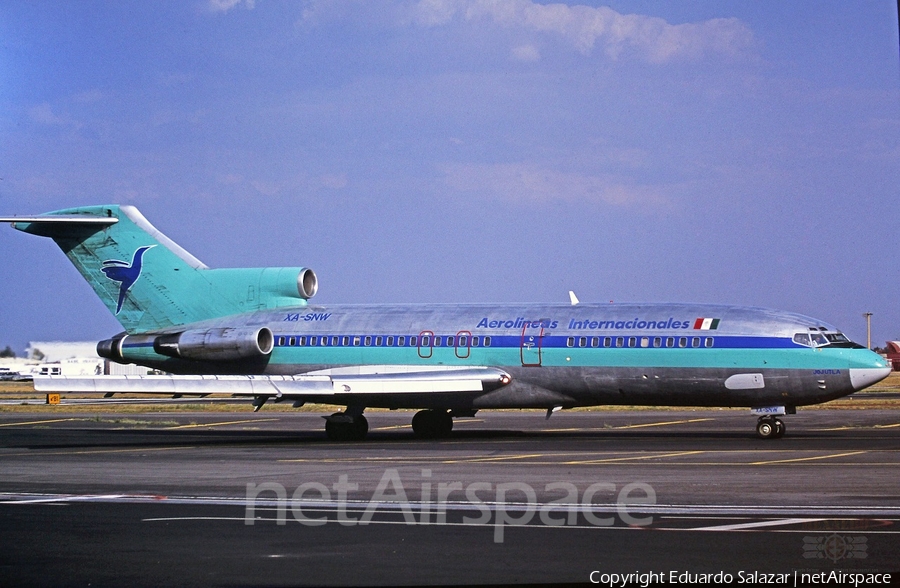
(245, 421)
(631, 458)
(860, 427)
(619, 428)
(496, 458)
(409, 426)
(756, 525)
(764, 526)
(38, 422)
(662, 424)
(92, 451)
(807, 458)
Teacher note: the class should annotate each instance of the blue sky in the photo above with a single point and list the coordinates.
(465, 150)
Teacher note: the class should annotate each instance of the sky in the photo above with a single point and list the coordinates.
(465, 150)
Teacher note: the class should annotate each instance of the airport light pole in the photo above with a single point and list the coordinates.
(868, 317)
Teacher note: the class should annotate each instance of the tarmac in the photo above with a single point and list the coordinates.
(242, 498)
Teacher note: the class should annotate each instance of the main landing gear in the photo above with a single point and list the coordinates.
(770, 427)
(432, 424)
(342, 426)
(351, 425)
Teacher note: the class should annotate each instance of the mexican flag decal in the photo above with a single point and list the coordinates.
(706, 324)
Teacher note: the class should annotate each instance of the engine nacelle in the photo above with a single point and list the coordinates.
(224, 344)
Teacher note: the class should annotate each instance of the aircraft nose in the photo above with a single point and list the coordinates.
(863, 377)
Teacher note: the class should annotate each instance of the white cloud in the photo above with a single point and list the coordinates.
(525, 182)
(226, 5)
(43, 114)
(525, 53)
(586, 27)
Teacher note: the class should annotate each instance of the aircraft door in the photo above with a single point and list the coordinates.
(532, 338)
(463, 344)
(426, 344)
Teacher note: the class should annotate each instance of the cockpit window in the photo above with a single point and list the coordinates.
(820, 339)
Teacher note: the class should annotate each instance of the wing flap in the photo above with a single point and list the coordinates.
(322, 384)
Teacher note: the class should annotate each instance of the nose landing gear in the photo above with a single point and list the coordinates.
(769, 427)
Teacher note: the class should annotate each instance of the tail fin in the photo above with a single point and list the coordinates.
(150, 283)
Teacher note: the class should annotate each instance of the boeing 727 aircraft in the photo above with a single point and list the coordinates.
(253, 332)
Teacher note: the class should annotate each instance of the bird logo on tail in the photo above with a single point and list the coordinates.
(125, 273)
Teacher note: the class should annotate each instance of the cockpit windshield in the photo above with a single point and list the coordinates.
(821, 338)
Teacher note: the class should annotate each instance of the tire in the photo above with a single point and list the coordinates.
(765, 428)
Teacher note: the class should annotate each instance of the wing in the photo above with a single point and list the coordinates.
(332, 386)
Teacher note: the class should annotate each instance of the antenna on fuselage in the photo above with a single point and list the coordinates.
(573, 299)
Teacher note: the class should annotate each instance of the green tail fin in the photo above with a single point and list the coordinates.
(150, 283)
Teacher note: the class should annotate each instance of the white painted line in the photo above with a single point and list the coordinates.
(756, 525)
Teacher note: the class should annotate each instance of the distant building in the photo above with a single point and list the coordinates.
(55, 351)
(71, 358)
(892, 353)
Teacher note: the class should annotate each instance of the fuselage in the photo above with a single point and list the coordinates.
(563, 355)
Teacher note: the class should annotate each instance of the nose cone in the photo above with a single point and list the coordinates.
(863, 377)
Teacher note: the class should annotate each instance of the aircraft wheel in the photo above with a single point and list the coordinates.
(779, 429)
(359, 428)
(356, 430)
(766, 428)
(432, 424)
(444, 423)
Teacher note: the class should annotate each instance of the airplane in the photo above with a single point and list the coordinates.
(254, 333)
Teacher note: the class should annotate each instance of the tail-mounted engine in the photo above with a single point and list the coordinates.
(220, 344)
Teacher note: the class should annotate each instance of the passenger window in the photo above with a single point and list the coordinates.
(474, 341)
(631, 341)
(356, 341)
(607, 341)
(437, 341)
(682, 341)
(709, 342)
(595, 341)
(670, 341)
(281, 341)
(463, 341)
(379, 341)
(570, 342)
(345, 341)
(487, 341)
(620, 342)
(367, 341)
(412, 341)
(657, 341)
(582, 341)
(645, 341)
(426, 341)
(695, 342)
(390, 341)
(449, 341)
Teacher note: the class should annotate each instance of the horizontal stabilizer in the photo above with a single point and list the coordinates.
(323, 384)
(67, 219)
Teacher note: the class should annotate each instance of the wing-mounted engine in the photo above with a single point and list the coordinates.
(218, 344)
